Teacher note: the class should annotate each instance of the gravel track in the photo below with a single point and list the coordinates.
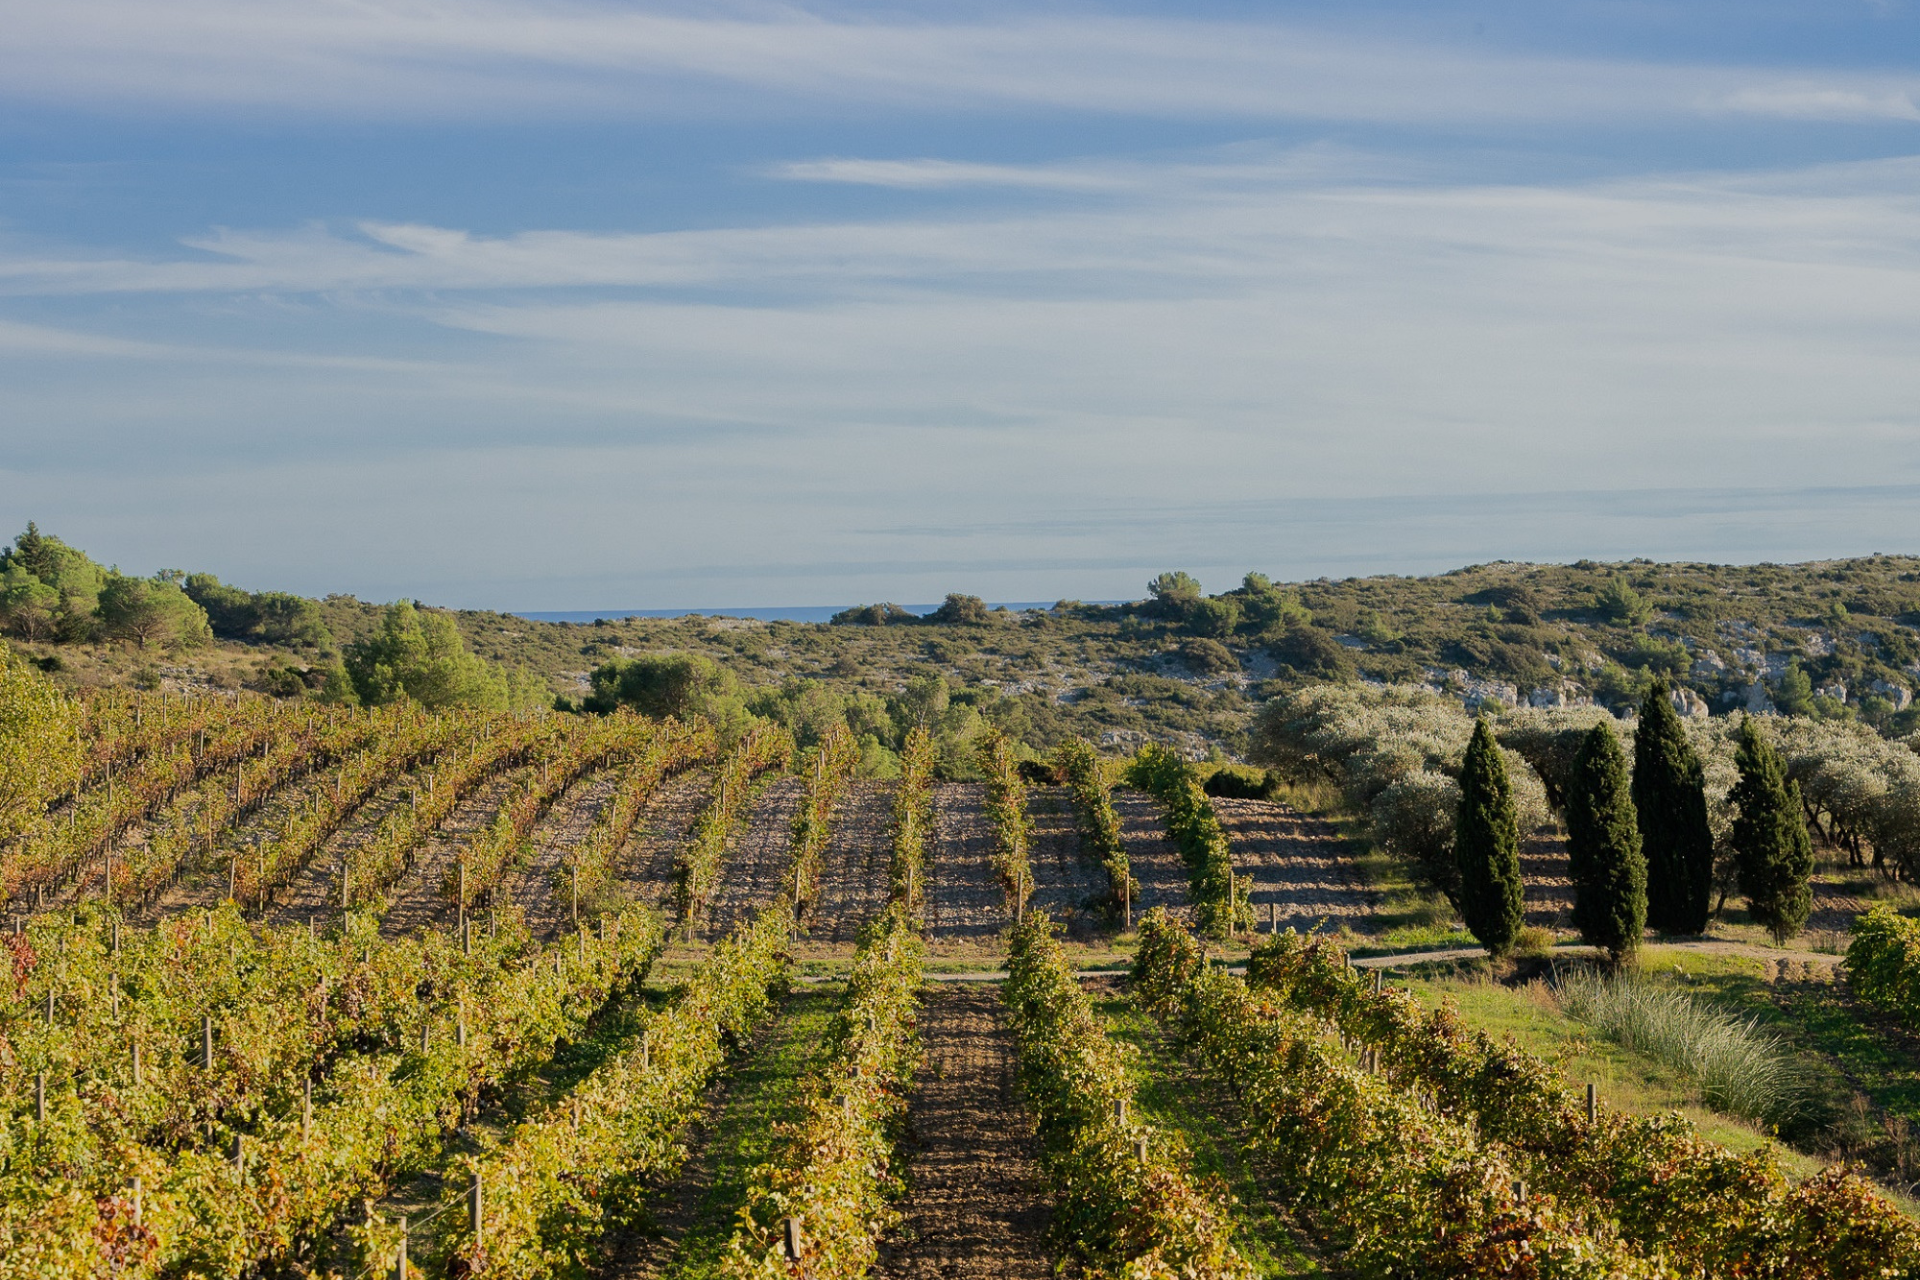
(1299, 865)
(758, 858)
(965, 901)
(417, 896)
(1063, 879)
(976, 1205)
(854, 880)
(1151, 856)
(664, 825)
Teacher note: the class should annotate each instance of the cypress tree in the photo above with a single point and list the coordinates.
(1670, 798)
(1770, 841)
(1603, 847)
(1486, 843)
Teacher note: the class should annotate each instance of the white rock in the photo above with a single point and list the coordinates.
(1688, 703)
(1898, 694)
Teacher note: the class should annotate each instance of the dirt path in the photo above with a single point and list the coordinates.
(854, 872)
(537, 887)
(757, 863)
(965, 902)
(976, 1205)
(1803, 960)
(1299, 866)
(1151, 856)
(419, 897)
(664, 825)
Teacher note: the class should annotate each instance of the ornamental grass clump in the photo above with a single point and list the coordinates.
(1742, 1071)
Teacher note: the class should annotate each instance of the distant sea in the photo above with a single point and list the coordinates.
(795, 613)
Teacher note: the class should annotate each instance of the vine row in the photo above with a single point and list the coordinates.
(837, 1172)
(766, 746)
(1222, 901)
(1007, 811)
(1400, 1187)
(1079, 764)
(1128, 1205)
(1679, 1198)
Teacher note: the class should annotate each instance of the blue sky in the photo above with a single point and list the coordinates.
(544, 305)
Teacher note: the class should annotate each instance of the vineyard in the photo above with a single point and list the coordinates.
(323, 992)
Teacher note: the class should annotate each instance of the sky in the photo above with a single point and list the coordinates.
(544, 305)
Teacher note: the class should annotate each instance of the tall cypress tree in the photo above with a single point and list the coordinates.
(1603, 847)
(1486, 842)
(1770, 841)
(1670, 797)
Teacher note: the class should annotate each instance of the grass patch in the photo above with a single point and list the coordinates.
(1170, 1097)
(1628, 1081)
(1871, 1083)
(766, 1092)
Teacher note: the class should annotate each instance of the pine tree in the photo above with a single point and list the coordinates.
(1603, 847)
(1486, 843)
(1670, 797)
(1770, 841)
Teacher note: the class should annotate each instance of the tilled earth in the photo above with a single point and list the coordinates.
(539, 885)
(976, 1205)
(420, 897)
(1152, 857)
(315, 890)
(854, 878)
(664, 825)
(1064, 879)
(758, 858)
(1302, 878)
(965, 901)
(1543, 864)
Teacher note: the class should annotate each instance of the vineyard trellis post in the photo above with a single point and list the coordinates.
(1593, 1102)
(40, 1098)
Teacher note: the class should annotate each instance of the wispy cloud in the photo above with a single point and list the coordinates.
(1816, 102)
(924, 175)
(1207, 335)
(503, 58)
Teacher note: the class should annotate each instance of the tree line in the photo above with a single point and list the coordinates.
(1639, 847)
